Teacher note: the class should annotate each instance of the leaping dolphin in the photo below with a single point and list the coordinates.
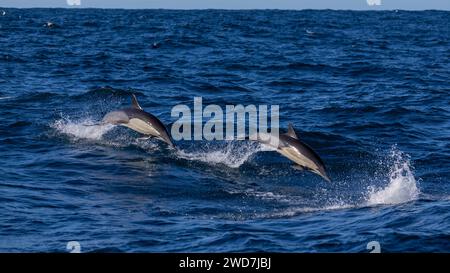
(293, 148)
(138, 120)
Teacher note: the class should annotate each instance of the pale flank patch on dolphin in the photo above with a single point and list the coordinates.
(140, 121)
(142, 127)
(116, 118)
(290, 146)
(294, 155)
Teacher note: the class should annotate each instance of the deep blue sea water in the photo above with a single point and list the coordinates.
(369, 91)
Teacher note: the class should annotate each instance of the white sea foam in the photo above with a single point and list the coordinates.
(300, 210)
(402, 186)
(263, 195)
(84, 129)
(233, 155)
(268, 196)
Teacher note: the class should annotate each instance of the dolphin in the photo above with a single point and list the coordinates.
(137, 119)
(292, 147)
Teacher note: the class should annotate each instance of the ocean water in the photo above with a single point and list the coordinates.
(369, 91)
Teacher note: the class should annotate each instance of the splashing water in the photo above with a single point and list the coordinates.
(401, 188)
(233, 155)
(85, 129)
(402, 185)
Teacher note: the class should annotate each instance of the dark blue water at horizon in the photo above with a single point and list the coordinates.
(369, 91)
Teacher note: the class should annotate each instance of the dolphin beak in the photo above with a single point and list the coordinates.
(168, 141)
(322, 174)
(171, 144)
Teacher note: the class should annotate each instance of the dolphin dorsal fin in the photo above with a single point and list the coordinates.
(135, 103)
(291, 131)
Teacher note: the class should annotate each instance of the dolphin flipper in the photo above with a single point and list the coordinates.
(298, 167)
